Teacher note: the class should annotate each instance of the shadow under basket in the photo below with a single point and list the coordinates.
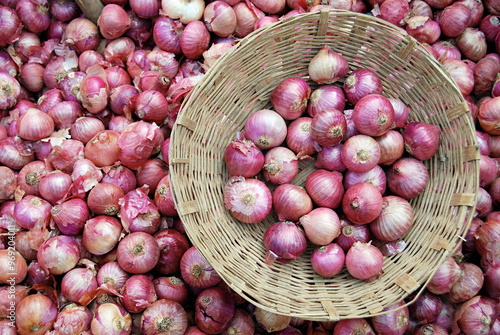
(240, 83)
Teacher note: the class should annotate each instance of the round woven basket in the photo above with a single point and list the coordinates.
(240, 83)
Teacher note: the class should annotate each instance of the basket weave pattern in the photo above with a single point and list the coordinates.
(240, 83)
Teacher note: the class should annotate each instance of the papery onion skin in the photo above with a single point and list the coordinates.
(280, 165)
(138, 253)
(101, 234)
(58, 254)
(467, 285)
(243, 158)
(111, 319)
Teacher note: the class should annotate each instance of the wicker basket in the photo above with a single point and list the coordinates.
(240, 84)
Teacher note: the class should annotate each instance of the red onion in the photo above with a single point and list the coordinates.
(249, 200)
(94, 93)
(140, 29)
(10, 92)
(8, 183)
(290, 202)
(151, 106)
(35, 314)
(487, 171)
(453, 19)
(220, 18)
(328, 260)
(12, 26)
(13, 266)
(64, 157)
(185, 10)
(407, 177)
(32, 212)
(138, 253)
(146, 9)
(421, 139)
(65, 113)
(289, 98)
(54, 186)
(214, 309)
(34, 14)
(270, 7)
(329, 159)
(167, 33)
(325, 97)
(472, 44)
(85, 176)
(172, 288)
(138, 212)
(483, 142)
(86, 128)
(362, 203)
(241, 323)
(475, 316)
(373, 115)
(195, 39)
(265, 21)
(394, 322)
(119, 122)
(328, 127)
(64, 10)
(151, 173)
(280, 165)
(467, 285)
(271, 322)
(490, 26)
(81, 35)
(321, 225)
(88, 58)
(118, 50)
(426, 307)
(138, 293)
(351, 233)
(243, 158)
(489, 115)
(116, 76)
(364, 261)
(15, 153)
(247, 15)
(394, 11)
(31, 77)
(58, 254)
(164, 62)
(112, 274)
(173, 245)
(486, 240)
(360, 153)
(361, 82)
(73, 318)
(101, 234)
(395, 219)
(423, 29)
(78, 284)
(113, 21)
(121, 99)
(196, 271)
(153, 80)
(111, 319)
(327, 66)
(163, 197)
(284, 242)
(461, 73)
(120, 176)
(484, 203)
(491, 279)
(445, 277)
(139, 134)
(104, 197)
(164, 317)
(391, 147)
(353, 326)
(325, 188)
(34, 125)
(299, 136)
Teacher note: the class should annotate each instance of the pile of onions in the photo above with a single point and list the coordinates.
(87, 105)
(368, 163)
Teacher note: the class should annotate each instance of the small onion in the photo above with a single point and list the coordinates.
(361, 82)
(373, 115)
(299, 136)
(101, 234)
(266, 128)
(421, 139)
(327, 66)
(138, 253)
(328, 127)
(360, 153)
(321, 225)
(214, 308)
(326, 96)
(220, 18)
(138, 293)
(290, 202)
(172, 245)
(328, 260)
(78, 284)
(196, 271)
(353, 326)
(35, 314)
(407, 177)
(445, 276)
(243, 158)
(111, 319)
(468, 284)
(281, 165)
(362, 203)
(395, 322)
(395, 219)
(113, 21)
(289, 98)
(164, 316)
(325, 188)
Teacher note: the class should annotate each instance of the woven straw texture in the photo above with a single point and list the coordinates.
(240, 83)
